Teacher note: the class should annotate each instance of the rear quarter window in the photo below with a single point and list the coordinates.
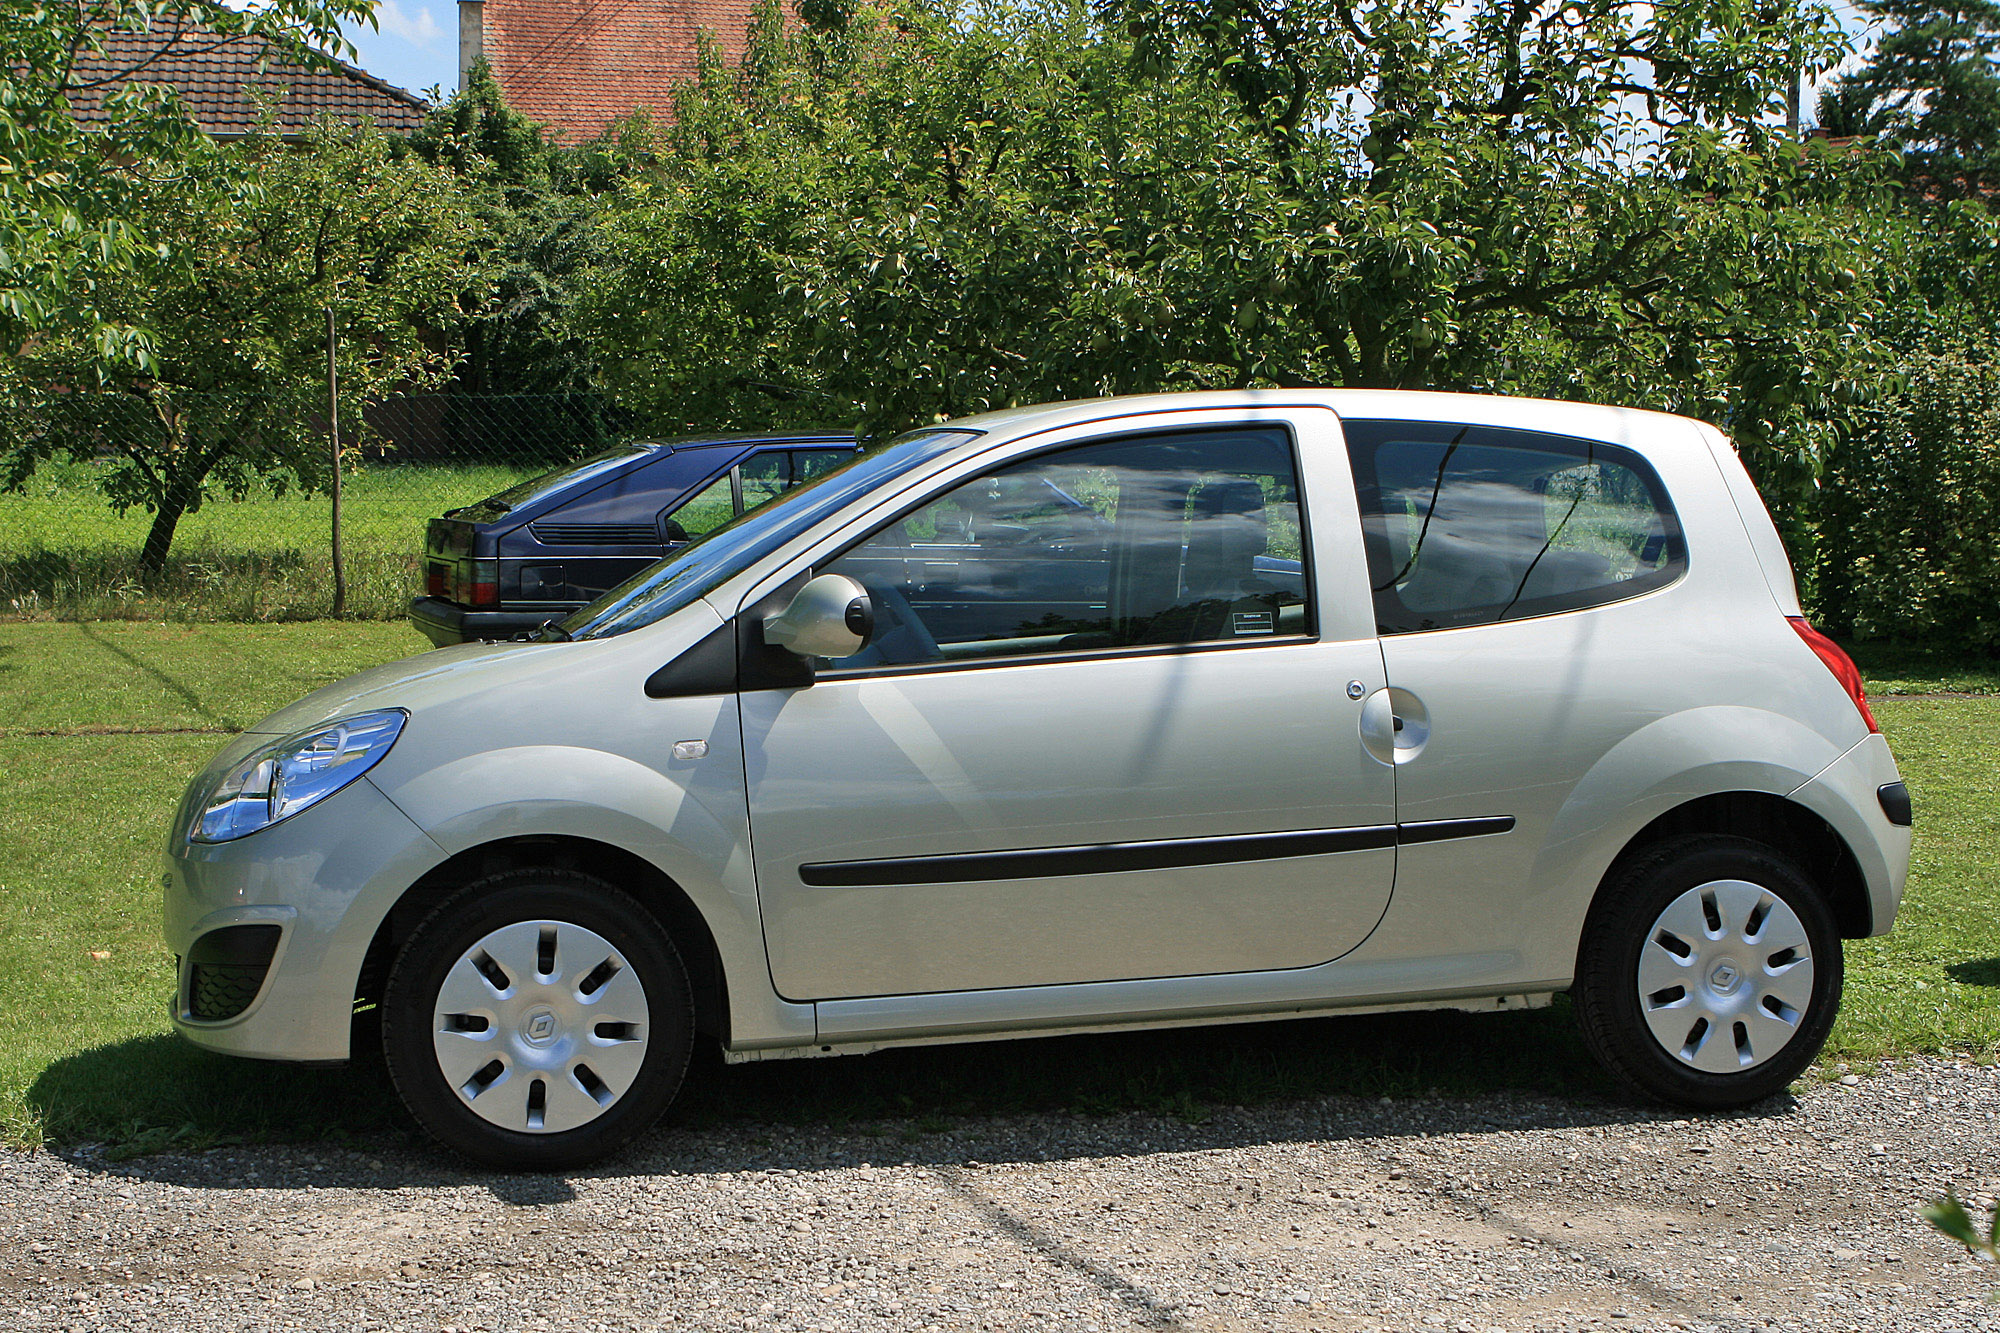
(1473, 525)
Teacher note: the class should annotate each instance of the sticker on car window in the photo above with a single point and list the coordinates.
(1252, 622)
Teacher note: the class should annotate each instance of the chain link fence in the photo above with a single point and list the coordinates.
(258, 544)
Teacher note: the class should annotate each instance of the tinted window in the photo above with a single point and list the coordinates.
(764, 475)
(522, 494)
(1469, 525)
(810, 463)
(1125, 543)
(704, 511)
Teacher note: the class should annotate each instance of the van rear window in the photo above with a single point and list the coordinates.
(522, 494)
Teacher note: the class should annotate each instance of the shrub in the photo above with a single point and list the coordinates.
(1910, 512)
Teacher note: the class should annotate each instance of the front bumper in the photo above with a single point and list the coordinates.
(325, 878)
(445, 623)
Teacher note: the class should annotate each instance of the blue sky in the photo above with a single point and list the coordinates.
(415, 45)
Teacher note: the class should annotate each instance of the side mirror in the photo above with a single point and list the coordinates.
(676, 534)
(830, 617)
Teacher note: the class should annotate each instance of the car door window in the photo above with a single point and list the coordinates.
(810, 463)
(1470, 525)
(708, 509)
(1148, 541)
(764, 475)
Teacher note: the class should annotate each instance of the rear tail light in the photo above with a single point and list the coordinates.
(483, 588)
(436, 581)
(1839, 663)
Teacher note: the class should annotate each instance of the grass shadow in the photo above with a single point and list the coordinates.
(205, 582)
(172, 683)
(1976, 972)
(159, 1092)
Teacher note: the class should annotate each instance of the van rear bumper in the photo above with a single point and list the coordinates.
(445, 623)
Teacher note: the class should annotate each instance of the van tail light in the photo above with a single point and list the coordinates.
(483, 587)
(1839, 663)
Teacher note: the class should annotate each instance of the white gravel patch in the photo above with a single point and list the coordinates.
(1498, 1212)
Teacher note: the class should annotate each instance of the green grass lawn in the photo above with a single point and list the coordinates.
(101, 725)
(64, 553)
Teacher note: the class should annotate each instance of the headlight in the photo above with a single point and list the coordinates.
(286, 776)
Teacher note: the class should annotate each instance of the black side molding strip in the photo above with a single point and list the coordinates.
(1110, 857)
(1438, 830)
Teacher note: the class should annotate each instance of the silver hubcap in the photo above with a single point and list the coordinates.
(540, 1026)
(1726, 976)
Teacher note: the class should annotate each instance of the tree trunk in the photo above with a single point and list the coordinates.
(153, 555)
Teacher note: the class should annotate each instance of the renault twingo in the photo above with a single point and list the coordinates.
(1128, 713)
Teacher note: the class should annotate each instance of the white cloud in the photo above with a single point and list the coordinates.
(420, 30)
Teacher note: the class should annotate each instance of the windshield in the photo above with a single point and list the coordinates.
(527, 492)
(693, 571)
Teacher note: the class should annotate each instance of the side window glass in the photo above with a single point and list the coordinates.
(1155, 540)
(1475, 525)
(810, 463)
(707, 510)
(765, 475)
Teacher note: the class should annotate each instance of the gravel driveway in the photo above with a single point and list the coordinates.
(1498, 1212)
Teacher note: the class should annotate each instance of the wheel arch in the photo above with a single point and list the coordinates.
(1783, 825)
(655, 890)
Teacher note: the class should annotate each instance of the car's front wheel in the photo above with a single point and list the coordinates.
(538, 1019)
(1710, 972)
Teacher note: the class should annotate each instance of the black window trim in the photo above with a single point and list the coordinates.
(1306, 565)
(1365, 434)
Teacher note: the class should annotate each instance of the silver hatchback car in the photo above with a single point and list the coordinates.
(1140, 712)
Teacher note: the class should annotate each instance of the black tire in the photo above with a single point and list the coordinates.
(575, 907)
(1631, 913)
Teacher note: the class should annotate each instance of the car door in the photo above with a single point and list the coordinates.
(1514, 574)
(1103, 729)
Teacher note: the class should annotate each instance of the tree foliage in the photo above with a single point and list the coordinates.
(910, 210)
(232, 287)
(1910, 506)
(1930, 88)
(537, 206)
(68, 196)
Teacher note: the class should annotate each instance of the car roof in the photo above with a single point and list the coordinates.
(671, 443)
(1615, 424)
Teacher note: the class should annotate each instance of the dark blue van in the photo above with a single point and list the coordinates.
(540, 550)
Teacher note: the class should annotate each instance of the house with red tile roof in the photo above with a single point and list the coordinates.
(578, 66)
(223, 78)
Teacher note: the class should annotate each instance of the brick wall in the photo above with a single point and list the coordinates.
(579, 65)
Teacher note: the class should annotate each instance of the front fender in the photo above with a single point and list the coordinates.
(689, 822)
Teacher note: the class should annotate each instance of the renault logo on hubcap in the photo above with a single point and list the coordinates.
(541, 1026)
(1724, 979)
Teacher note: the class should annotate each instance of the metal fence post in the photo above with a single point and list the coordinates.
(333, 432)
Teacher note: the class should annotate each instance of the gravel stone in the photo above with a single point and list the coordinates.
(1503, 1212)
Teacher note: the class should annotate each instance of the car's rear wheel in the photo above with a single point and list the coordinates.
(1710, 972)
(537, 1019)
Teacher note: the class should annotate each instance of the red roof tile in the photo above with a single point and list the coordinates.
(216, 74)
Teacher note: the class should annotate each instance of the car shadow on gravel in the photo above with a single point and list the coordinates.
(187, 1117)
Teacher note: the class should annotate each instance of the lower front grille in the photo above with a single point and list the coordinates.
(218, 991)
(226, 969)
